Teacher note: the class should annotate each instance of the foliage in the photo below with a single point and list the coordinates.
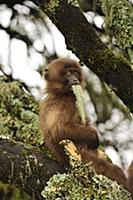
(119, 15)
(78, 92)
(18, 113)
(82, 183)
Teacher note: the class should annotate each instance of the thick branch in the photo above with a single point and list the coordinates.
(26, 167)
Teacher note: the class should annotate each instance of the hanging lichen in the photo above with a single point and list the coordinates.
(77, 89)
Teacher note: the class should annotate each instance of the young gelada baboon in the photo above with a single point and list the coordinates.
(59, 116)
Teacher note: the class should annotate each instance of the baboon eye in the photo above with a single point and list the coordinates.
(68, 73)
(46, 74)
(46, 70)
(76, 73)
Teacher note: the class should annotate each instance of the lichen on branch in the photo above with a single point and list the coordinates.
(81, 182)
(119, 21)
(48, 5)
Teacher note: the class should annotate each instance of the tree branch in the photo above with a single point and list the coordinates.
(26, 167)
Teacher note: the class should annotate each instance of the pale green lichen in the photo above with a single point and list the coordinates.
(18, 113)
(28, 170)
(12, 170)
(119, 21)
(82, 183)
(49, 6)
(73, 3)
(78, 92)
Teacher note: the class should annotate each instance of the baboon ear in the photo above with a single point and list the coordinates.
(46, 73)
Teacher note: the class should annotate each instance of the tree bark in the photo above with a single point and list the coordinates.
(26, 167)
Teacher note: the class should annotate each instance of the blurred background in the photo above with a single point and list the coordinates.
(28, 41)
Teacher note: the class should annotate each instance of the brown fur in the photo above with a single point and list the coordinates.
(104, 167)
(59, 117)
